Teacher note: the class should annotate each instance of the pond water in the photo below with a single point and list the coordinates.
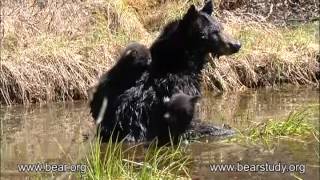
(56, 133)
(300, 158)
(61, 133)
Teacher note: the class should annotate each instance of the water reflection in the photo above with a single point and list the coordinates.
(53, 133)
(237, 109)
(58, 133)
(284, 152)
(241, 110)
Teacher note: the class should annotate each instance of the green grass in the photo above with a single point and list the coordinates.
(295, 126)
(115, 161)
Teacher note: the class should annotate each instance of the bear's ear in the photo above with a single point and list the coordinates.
(188, 18)
(208, 7)
(191, 14)
(128, 52)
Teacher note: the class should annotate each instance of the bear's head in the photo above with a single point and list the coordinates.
(205, 32)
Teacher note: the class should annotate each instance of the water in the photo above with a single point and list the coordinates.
(242, 110)
(61, 132)
(54, 134)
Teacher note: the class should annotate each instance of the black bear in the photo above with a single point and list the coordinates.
(178, 113)
(133, 61)
(178, 56)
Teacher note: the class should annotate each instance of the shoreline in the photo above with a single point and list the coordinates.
(58, 60)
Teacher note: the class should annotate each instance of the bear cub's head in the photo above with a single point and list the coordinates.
(136, 56)
(179, 112)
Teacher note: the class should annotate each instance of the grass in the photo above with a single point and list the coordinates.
(115, 161)
(56, 52)
(295, 126)
(270, 56)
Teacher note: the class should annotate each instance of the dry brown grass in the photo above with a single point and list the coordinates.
(269, 56)
(54, 50)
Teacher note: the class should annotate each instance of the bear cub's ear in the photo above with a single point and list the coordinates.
(208, 7)
(166, 99)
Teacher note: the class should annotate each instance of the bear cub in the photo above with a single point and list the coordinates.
(131, 64)
(178, 114)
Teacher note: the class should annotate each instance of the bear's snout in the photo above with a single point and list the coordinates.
(235, 47)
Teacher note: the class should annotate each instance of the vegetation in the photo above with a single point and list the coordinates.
(114, 161)
(53, 51)
(295, 126)
(270, 56)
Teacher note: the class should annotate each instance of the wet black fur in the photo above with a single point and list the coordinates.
(178, 113)
(133, 61)
(178, 56)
